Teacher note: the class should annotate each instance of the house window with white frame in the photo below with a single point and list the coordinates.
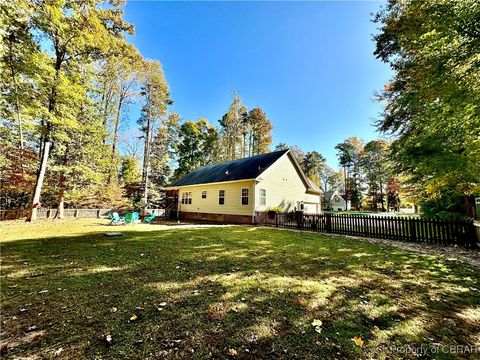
(245, 196)
(263, 196)
(204, 194)
(187, 198)
(221, 197)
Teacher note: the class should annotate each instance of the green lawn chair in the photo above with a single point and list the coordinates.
(132, 218)
(116, 219)
(150, 218)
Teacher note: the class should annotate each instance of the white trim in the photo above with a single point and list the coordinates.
(218, 198)
(248, 196)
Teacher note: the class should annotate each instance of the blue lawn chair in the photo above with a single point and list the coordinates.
(116, 219)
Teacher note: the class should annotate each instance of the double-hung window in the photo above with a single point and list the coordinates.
(204, 194)
(221, 197)
(263, 197)
(245, 196)
(187, 197)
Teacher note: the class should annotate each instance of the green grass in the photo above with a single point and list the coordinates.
(244, 291)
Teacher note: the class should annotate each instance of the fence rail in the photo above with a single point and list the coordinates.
(43, 213)
(444, 232)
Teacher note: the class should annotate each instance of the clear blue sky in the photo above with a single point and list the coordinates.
(308, 65)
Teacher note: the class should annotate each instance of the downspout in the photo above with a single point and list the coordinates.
(254, 200)
(178, 204)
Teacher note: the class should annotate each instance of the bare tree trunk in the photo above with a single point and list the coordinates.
(381, 197)
(39, 182)
(146, 160)
(60, 205)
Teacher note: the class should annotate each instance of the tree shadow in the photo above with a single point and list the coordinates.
(211, 292)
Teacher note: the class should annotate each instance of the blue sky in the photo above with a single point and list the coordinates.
(308, 65)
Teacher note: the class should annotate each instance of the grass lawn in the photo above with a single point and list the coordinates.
(218, 292)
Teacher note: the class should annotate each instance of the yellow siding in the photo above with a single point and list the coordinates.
(233, 198)
(284, 186)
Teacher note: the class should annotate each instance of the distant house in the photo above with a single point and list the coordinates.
(333, 201)
(233, 191)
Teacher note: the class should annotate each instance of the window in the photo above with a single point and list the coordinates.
(263, 197)
(187, 197)
(204, 194)
(221, 197)
(245, 196)
(337, 199)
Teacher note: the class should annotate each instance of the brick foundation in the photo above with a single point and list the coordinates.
(223, 218)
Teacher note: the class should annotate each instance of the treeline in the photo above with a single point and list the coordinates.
(69, 78)
(370, 180)
(432, 103)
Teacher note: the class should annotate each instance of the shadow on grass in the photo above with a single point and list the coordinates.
(219, 292)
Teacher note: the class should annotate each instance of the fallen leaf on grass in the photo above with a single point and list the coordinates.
(133, 318)
(113, 309)
(162, 304)
(358, 341)
(299, 301)
(317, 322)
(232, 352)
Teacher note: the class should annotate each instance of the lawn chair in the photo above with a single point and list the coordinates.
(116, 219)
(135, 217)
(132, 218)
(150, 218)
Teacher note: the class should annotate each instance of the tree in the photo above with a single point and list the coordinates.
(331, 180)
(233, 129)
(163, 152)
(197, 146)
(375, 166)
(20, 61)
(77, 32)
(257, 133)
(131, 178)
(312, 165)
(432, 103)
(281, 146)
(154, 89)
(393, 194)
(349, 154)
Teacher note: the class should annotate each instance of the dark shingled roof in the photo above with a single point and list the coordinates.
(247, 168)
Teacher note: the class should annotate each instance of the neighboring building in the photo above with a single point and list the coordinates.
(333, 201)
(233, 191)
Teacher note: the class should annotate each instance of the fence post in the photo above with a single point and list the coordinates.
(76, 213)
(413, 229)
(328, 223)
(98, 213)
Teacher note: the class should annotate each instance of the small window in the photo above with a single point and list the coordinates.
(263, 197)
(190, 197)
(204, 194)
(337, 199)
(221, 197)
(245, 196)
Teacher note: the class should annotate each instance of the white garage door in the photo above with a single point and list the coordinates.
(310, 208)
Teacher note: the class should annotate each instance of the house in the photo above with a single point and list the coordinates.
(332, 200)
(233, 191)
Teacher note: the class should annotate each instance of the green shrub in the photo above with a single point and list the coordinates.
(276, 209)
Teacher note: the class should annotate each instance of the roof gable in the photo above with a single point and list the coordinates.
(241, 169)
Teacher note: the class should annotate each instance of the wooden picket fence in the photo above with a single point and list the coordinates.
(44, 213)
(434, 231)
